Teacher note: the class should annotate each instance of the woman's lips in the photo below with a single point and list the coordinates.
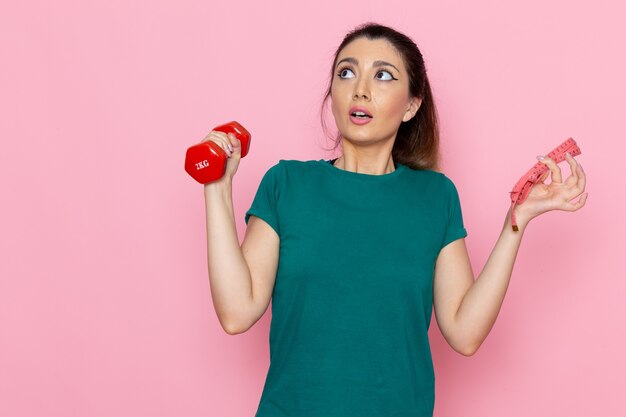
(360, 120)
(361, 109)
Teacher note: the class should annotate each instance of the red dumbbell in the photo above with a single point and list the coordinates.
(206, 161)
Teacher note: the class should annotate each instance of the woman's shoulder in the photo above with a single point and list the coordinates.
(290, 169)
(435, 182)
(298, 162)
(427, 174)
(296, 165)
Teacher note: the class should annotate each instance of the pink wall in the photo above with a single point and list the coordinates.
(105, 307)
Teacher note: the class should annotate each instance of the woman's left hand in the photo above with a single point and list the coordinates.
(557, 195)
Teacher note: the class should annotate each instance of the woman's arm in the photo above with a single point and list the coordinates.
(241, 277)
(466, 309)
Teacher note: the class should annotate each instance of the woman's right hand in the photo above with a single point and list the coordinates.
(232, 146)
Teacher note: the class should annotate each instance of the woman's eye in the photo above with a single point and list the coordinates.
(388, 73)
(342, 70)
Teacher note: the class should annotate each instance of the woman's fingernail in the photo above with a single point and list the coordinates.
(540, 157)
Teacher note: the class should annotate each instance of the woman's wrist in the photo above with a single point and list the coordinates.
(220, 187)
(521, 220)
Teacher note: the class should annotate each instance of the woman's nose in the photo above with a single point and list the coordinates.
(361, 89)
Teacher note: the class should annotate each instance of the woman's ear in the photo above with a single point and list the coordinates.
(414, 106)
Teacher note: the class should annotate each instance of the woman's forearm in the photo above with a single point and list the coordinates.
(481, 304)
(229, 275)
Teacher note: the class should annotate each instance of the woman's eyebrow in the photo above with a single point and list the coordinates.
(377, 63)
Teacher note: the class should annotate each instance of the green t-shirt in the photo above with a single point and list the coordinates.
(352, 301)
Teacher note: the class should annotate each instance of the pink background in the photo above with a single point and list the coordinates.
(105, 307)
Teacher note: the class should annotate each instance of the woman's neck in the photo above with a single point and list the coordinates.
(371, 168)
(336, 162)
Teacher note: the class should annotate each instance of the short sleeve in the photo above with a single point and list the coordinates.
(264, 204)
(455, 228)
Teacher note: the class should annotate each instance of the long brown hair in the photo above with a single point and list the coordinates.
(417, 141)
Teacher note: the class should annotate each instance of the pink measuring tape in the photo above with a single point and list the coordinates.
(523, 186)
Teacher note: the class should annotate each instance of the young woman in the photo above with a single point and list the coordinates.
(354, 252)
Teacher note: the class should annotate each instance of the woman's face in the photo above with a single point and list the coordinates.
(370, 74)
